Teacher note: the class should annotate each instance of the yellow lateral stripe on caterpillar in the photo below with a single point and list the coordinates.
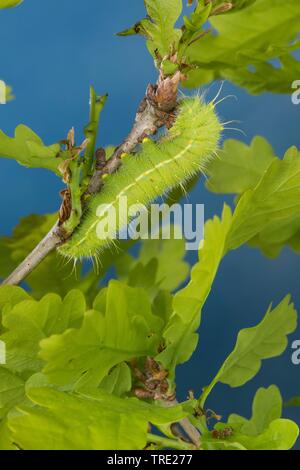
(131, 185)
(156, 169)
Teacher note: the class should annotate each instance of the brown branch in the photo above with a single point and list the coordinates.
(52, 240)
(185, 428)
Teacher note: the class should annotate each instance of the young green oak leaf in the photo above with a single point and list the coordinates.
(26, 323)
(244, 46)
(263, 76)
(118, 382)
(266, 407)
(281, 434)
(61, 277)
(274, 201)
(267, 214)
(6, 442)
(193, 25)
(159, 29)
(11, 391)
(179, 333)
(277, 235)
(11, 295)
(188, 301)
(138, 274)
(86, 421)
(283, 227)
(266, 340)
(264, 431)
(202, 12)
(125, 329)
(28, 150)
(160, 265)
(240, 167)
(9, 3)
(172, 268)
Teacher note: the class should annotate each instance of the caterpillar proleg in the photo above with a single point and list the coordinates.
(157, 168)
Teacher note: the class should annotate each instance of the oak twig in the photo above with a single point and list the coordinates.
(51, 241)
(185, 429)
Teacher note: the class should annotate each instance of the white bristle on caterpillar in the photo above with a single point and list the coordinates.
(156, 169)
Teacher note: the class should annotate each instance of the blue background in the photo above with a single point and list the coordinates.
(51, 51)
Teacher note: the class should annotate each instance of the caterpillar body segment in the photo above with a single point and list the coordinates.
(156, 169)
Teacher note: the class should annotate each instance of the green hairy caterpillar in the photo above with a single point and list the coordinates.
(157, 168)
